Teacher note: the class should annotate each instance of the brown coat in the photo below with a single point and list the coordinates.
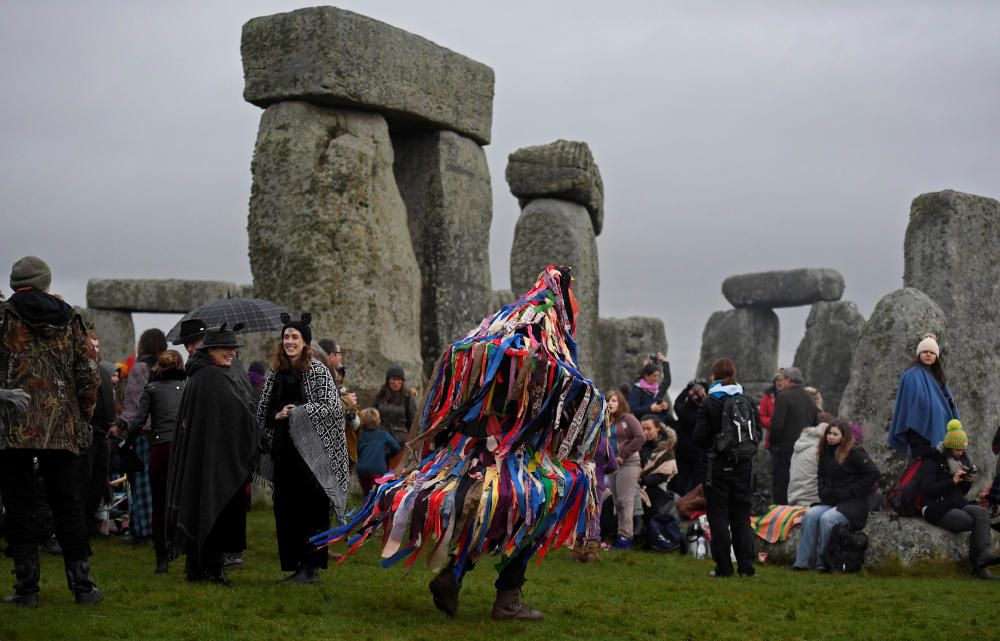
(48, 355)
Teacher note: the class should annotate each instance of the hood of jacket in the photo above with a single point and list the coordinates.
(718, 390)
(38, 308)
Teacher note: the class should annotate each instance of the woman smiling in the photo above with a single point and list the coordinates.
(302, 420)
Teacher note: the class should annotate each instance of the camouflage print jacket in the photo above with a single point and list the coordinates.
(44, 350)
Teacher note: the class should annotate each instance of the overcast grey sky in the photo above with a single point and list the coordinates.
(732, 136)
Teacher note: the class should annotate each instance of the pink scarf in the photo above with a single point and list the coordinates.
(652, 388)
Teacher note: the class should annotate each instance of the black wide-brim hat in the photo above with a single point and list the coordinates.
(221, 337)
(191, 330)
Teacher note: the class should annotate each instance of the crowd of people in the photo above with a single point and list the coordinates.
(195, 434)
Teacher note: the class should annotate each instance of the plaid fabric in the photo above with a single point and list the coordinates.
(778, 522)
(257, 315)
(140, 494)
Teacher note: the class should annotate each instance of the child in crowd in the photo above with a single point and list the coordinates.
(375, 446)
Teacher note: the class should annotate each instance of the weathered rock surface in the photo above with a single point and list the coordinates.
(790, 288)
(328, 234)
(333, 57)
(890, 540)
(749, 337)
(500, 298)
(166, 295)
(445, 182)
(624, 343)
(115, 330)
(826, 350)
(559, 232)
(565, 170)
(887, 344)
(952, 244)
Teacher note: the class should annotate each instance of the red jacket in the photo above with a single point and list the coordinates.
(766, 411)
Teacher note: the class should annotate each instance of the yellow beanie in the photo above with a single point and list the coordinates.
(956, 438)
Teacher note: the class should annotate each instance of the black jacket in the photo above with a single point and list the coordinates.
(709, 424)
(847, 485)
(936, 482)
(687, 417)
(794, 410)
(159, 402)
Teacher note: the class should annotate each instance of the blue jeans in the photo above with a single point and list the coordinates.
(817, 524)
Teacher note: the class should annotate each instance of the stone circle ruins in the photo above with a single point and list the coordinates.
(371, 207)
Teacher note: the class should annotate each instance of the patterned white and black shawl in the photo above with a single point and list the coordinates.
(317, 430)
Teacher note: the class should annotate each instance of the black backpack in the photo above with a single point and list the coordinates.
(739, 434)
(846, 550)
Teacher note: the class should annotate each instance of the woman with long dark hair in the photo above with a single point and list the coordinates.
(625, 481)
(924, 403)
(845, 476)
(152, 343)
(302, 420)
(159, 404)
(396, 407)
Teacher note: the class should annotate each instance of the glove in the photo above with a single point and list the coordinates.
(16, 397)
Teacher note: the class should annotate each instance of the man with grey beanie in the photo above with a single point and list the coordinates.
(794, 410)
(45, 351)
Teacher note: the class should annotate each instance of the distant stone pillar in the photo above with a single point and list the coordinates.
(329, 236)
(445, 182)
(559, 232)
(952, 243)
(623, 344)
(748, 336)
(826, 350)
(115, 330)
(887, 344)
(561, 193)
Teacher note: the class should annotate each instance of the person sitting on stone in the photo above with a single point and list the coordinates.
(802, 486)
(845, 476)
(658, 466)
(924, 403)
(944, 479)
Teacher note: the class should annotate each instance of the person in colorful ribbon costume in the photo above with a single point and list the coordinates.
(501, 457)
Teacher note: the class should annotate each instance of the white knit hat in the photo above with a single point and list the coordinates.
(929, 344)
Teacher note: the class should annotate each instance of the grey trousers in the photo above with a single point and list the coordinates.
(974, 519)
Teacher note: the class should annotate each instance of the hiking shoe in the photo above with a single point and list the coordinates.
(509, 605)
(622, 544)
(232, 560)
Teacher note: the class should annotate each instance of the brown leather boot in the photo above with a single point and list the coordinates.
(509, 605)
(444, 588)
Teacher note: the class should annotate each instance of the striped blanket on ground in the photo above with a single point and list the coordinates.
(778, 522)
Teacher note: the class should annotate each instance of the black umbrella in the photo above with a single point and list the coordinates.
(256, 314)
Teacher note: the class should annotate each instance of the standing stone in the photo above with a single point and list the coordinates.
(750, 338)
(558, 232)
(156, 295)
(952, 244)
(887, 344)
(826, 350)
(564, 170)
(445, 182)
(790, 288)
(328, 234)
(333, 57)
(499, 299)
(624, 343)
(115, 330)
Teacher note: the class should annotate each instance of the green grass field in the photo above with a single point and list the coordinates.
(632, 595)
